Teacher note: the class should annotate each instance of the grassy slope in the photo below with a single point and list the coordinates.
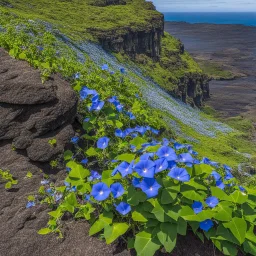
(78, 18)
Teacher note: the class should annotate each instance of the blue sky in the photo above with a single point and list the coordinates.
(205, 5)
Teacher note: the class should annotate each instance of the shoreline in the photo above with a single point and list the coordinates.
(231, 50)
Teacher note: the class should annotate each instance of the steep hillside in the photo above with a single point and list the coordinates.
(135, 30)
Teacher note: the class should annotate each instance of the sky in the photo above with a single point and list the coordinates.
(205, 5)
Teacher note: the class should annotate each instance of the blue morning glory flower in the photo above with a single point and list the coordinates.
(68, 169)
(165, 142)
(122, 70)
(206, 225)
(136, 182)
(77, 75)
(167, 153)
(92, 92)
(216, 175)
(75, 139)
(150, 187)
(117, 190)
(123, 208)
(220, 184)
(87, 198)
(100, 191)
(119, 107)
(87, 119)
(30, 204)
(57, 197)
(142, 130)
(84, 161)
(102, 143)
(95, 98)
(83, 93)
(137, 95)
(212, 201)
(125, 168)
(161, 165)
(227, 168)
(113, 99)
(196, 161)
(186, 158)
(180, 174)
(228, 175)
(154, 131)
(119, 133)
(66, 184)
(178, 146)
(197, 207)
(171, 164)
(73, 189)
(40, 48)
(104, 67)
(242, 189)
(49, 191)
(193, 152)
(206, 161)
(115, 171)
(97, 106)
(94, 176)
(145, 168)
(134, 135)
(146, 156)
(130, 115)
(128, 131)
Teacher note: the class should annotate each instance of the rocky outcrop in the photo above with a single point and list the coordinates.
(32, 113)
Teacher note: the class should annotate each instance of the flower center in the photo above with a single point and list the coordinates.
(151, 188)
(145, 170)
(101, 192)
(160, 167)
(166, 154)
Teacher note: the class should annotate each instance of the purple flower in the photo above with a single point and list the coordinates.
(30, 204)
(117, 190)
(84, 161)
(220, 184)
(180, 174)
(136, 182)
(145, 168)
(102, 143)
(216, 175)
(125, 168)
(123, 208)
(104, 67)
(97, 106)
(75, 140)
(150, 187)
(206, 225)
(100, 191)
(197, 207)
(94, 176)
(212, 201)
(161, 165)
(167, 153)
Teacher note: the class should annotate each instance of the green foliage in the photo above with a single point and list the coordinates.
(7, 177)
(52, 142)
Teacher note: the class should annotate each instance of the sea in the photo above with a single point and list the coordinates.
(244, 18)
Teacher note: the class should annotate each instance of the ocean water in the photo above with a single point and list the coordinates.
(244, 18)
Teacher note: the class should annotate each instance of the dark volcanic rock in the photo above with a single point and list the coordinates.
(30, 109)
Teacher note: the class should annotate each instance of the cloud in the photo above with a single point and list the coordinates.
(205, 5)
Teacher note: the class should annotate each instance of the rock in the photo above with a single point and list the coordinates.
(32, 112)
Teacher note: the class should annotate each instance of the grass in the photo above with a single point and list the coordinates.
(82, 18)
(215, 70)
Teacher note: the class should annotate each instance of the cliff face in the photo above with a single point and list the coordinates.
(131, 41)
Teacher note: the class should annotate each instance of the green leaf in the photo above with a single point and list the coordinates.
(78, 172)
(137, 142)
(126, 157)
(68, 155)
(134, 197)
(8, 185)
(238, 228)
(191, 194)
(145, 245)
(188, 214)
(111, 233)
(171, 185)
(249, 247)
(91, 152)
(96, 227)
(119, 124)
(168, 196)
(196, 185)
(228, 248)
(160, 213)
(29, 175)
(130, 243)
(238, 197)
(137, 216)
(219, 193)
(44, 231)
(168, 235)
(182, 227)
(223, 211)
